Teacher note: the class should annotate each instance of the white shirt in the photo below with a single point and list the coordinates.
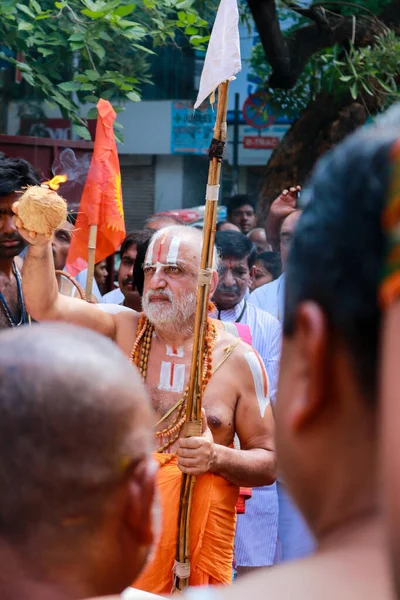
(266, 336)
(270, 297)
(81, 279)
(113, 297)
(257, 530)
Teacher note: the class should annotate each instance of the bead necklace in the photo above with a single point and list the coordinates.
(24, 318)
(139, 357)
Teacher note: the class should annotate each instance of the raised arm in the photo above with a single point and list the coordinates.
(42, 299)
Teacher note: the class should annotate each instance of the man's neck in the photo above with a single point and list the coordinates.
(174, 338)
(22, 588)
(362, 529)
(233, 307)
(19, 578)
(6, 266)
(348, 507)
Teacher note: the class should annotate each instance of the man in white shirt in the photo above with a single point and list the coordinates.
(60, 244)
(296, 540)
(127, 294)
(256, 542)
(270, 297)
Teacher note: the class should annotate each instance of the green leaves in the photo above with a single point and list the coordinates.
(372, 69)
(82, 132)
(69, 86)
(354, 91)
(92, 113)
(26, 10)
(359, 72)
(124, 11)
(25, 26)
(77, 51)
(134, 96)
(36, 6)
(92, 75)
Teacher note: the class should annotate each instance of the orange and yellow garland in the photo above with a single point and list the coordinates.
(140, 356)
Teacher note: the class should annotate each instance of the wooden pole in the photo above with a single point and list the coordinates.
(91, 260)
(193, 425)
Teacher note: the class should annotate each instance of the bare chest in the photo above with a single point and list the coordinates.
(9, 291)
(167, 380)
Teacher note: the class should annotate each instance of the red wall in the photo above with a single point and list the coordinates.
(41, 153)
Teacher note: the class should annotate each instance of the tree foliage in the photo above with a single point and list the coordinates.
(77, 51)
(371, 70)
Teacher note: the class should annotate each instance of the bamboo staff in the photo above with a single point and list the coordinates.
(91, 260)
(193, 425)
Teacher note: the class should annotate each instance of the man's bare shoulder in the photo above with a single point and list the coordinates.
(238, 359)
(227, 339)
(126, 323)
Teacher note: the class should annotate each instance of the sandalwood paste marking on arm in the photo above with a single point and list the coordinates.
(260, 379)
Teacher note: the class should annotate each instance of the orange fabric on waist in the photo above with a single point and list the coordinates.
(212, 530)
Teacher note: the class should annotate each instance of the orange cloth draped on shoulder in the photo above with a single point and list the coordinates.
(212, 530)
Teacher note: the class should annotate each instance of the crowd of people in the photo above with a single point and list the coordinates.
(300, 359)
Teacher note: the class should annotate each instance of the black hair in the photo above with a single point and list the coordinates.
(138, 273)
(16, 174)
(132, 239)
(338, 248)
(72, 217)
(272, 262)
(237, 201)
(234, 244)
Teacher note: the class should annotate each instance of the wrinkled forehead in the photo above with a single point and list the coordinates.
(171, 249)
(230, 262)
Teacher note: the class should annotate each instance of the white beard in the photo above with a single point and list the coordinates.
(175, 315)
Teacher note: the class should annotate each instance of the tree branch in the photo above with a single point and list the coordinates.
(288, 55)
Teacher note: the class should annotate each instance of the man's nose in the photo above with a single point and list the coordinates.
(158, 280)
(228, 279)
(8, 225)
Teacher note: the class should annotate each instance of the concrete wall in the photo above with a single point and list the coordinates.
(195, 180)
(147, 128)
(169, 183)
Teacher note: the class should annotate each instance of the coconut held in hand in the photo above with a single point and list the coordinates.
(41, 210)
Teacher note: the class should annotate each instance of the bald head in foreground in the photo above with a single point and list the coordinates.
(76, 475)
(327, 405)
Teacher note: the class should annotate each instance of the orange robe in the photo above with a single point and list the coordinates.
(212, 530)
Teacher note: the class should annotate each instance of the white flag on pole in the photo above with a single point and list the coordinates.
(223, 53)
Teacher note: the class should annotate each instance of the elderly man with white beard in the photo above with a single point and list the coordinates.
(236, 396)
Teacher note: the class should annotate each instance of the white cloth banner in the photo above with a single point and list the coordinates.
(223, 53)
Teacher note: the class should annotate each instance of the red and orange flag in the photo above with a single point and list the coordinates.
(101, 202)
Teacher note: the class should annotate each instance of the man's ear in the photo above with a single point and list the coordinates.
(141, 502)
(252, 277)
(311, 336)
(213, 284)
